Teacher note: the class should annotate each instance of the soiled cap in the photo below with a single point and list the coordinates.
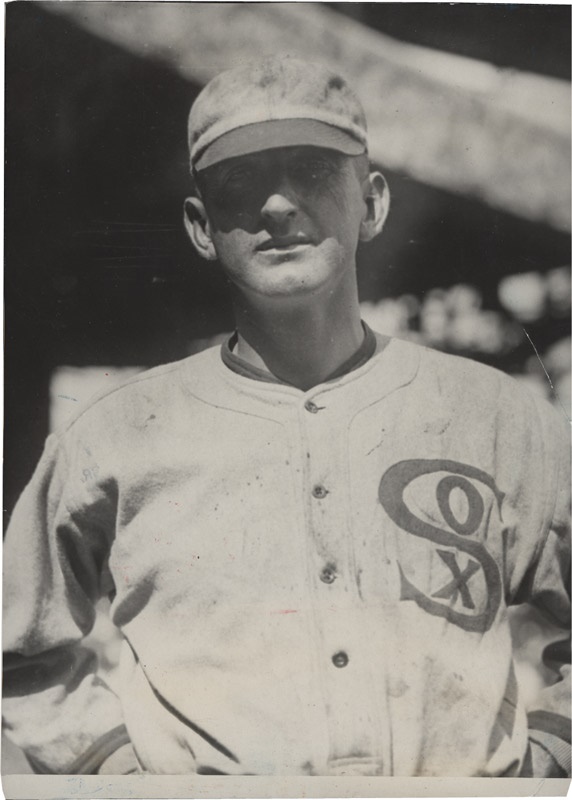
(276, 102)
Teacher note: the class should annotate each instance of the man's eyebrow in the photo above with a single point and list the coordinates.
(244, 162)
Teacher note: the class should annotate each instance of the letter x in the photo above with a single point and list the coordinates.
(459, 582)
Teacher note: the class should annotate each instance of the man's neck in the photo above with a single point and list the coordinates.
(302, 343)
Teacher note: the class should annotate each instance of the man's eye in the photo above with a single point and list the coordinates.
(238, 177)
(314, 170)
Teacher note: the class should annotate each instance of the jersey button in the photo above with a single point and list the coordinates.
(328, 575)
(319, 491)
(340, 659)
(311, 407)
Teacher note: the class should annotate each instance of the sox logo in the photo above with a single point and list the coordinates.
(454, 600)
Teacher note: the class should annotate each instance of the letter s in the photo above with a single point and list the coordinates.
(391, 489)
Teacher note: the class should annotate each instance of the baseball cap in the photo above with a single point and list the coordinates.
(275, 102)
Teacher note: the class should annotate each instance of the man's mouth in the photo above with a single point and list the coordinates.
(283, 243)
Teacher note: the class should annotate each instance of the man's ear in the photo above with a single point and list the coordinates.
(376, 196)
(198, 228)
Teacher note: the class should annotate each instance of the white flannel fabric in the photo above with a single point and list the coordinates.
(307, 582)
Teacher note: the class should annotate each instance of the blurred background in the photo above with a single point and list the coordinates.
(469, 113)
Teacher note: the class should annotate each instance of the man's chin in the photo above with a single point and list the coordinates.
(293, 285)
(294, 274)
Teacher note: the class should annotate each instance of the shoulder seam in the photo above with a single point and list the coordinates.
(153, 372)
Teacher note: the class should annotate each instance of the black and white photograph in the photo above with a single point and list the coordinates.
(286, 399)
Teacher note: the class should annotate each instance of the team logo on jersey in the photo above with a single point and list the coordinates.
(469, 588)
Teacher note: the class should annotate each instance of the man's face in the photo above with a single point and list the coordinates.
(285, 221)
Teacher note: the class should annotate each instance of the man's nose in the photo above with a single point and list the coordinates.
(279, 207)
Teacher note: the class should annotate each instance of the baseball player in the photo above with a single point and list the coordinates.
(310, 536)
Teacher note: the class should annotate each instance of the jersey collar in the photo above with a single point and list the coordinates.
(242, 367)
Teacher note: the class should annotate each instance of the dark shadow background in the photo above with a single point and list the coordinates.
(98, 270)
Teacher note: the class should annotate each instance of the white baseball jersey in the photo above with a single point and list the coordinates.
(307, 582)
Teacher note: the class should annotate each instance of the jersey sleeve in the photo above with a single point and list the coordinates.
(547, 588)
(55, 706)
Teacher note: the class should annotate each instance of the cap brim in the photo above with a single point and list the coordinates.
(278, 133)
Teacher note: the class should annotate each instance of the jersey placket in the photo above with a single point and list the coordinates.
(341, 649)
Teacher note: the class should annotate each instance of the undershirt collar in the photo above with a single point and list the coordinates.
(242, 367)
